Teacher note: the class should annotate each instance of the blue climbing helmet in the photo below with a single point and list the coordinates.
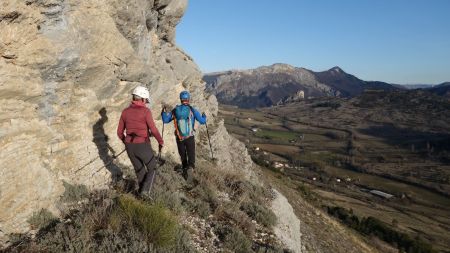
(184, 95)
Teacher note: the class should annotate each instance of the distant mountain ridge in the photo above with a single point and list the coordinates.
(442, 89)
(417, 86)
(279, 83)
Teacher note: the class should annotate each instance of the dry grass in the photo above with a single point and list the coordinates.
(42, 219)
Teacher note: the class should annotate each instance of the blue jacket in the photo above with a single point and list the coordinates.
(167, 117)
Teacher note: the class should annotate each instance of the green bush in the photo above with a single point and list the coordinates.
(259, 213)
(42, 219)
(155, 222)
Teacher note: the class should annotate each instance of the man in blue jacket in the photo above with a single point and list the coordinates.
(184, 116)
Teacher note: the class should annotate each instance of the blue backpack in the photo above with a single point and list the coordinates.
(183, 116)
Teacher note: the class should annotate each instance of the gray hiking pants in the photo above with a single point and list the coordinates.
(144, 163)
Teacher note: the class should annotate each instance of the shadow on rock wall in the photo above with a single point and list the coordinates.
(100, 138)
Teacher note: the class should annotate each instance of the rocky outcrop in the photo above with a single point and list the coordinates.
(300, 95)
(288, 225)
(67, 68)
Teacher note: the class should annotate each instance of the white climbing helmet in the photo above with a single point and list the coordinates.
(141, 92)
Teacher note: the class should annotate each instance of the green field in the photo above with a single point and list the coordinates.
(277, 135)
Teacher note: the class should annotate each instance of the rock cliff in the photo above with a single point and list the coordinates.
(67, 68)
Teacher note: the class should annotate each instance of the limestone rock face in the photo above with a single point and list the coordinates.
(67, 68)
(288, 225)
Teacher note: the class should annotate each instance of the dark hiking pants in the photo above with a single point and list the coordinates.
(186, 149)
(144, 163)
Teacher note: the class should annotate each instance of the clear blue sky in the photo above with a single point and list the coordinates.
(397, 41)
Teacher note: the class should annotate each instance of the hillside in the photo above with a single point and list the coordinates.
(334, 151)
(441, 89)
(278, 83)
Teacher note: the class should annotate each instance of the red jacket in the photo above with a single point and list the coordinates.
(137, 120)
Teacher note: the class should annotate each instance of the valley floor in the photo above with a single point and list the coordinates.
(335, 158)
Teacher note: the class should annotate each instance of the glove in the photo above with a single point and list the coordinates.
(160, 147)
(203, 115)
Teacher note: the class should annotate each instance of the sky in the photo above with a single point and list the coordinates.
(395, 41)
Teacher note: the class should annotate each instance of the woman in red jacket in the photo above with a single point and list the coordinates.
(138, 124)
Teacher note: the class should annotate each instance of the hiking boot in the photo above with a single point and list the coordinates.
(160, 162)
(179, 169)
(190, 175)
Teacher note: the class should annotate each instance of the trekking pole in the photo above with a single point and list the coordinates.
(209, 140)
(154, 175)
(157, 161)
(113, 158)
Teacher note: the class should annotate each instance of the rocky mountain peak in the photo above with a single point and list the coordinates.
(282, 67)
(336, 69)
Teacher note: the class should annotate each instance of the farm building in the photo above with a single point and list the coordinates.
(381, 194)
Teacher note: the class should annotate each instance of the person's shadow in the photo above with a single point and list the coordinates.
(100, 138)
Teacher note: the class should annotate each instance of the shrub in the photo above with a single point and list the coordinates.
(233, 239)
(269, 249)
(230, 214)
(166, 189)
(41, 219)
(182, 243)
(240, 189)
(201, 208)
(330, 104)
(259, 213)
(74, 193)
(306, 192)
(108, 223)
(206, 192)
(155, 222)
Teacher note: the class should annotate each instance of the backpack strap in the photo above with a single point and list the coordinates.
(192, 114)
(174, 119)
